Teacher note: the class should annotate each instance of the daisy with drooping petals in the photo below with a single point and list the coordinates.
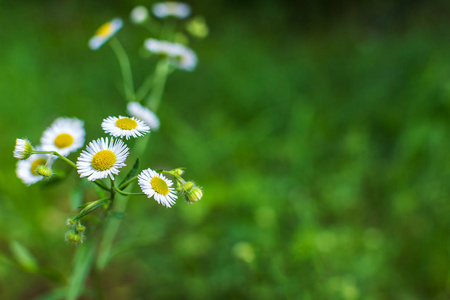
(102, 158)
(104, 33)
(162, 48)
(26, 169)
(171, 9)
(125, 127)
(157, 186)
(23, 149)
(64, 136)
(179, 56)
(138, 111)
(185, 59)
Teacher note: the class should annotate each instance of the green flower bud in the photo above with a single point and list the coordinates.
(74, 237)
(178, 172)
(197, 27)
(44, 171)
(80, 228)
(186, 187)
(70, 222)
(23, 149)
(194, 195)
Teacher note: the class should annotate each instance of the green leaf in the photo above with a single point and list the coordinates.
(131, 174)
(23, 257)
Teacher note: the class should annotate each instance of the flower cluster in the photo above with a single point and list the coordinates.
(103, 159)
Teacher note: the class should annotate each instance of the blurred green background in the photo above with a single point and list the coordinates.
(318, 129)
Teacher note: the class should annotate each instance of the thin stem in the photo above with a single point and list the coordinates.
(126, 183)
(125, 68)
(91, 207)
(102, 185)
(159, 82)
(145, 88)
(128, 194)
(57, 154)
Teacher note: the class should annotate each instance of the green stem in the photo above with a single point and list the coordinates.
(82, 264)
(57, 154)
(125, 68)
(91, 207)
(126, 183)
(128, 194)
(145, 88)
(159, 82)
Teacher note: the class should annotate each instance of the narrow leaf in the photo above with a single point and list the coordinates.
(23, 257)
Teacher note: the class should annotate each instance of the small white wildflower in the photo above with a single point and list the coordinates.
(171, 9)
(157, 186)
(27, 169)
(65, 135)
(102, 158)
(150, 118)
(139, 14)
(125, 127)
(104, 33)
(179, 56)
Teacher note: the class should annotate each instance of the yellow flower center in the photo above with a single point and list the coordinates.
(38, 162)
(105, 30)
(103, 160)
(126, 123)
(160, 186)
(63, 140)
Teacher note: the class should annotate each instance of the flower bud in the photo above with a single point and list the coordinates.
(139, 14)
(178, 172)
(197, 27)
(74, 237)
(23, 149)
(186, 187)
(44, 171)
(70, 222)
(80, 228)
(194, 195)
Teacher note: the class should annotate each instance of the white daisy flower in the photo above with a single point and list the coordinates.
(26, 169)
(23, 149)
(102, 158)
(104, 33)
(171, 9)
(185, 59)
(64, 136)
(157, 186)
(179, 56)
(143, 113)
(125, 127)
(139, 14)
(162, 48)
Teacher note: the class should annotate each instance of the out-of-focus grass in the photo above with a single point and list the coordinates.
(323, 157)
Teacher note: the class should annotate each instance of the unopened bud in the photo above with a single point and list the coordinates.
(185, 187)
(197, 27)
(74, 237)
(194, 195)
(23, 149)
(139, 14)
(178, 172)
(80, 228)
(70, 222)
(44, 171)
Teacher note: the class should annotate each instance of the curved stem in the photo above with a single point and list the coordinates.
(125, 68)
(128, 194)
(57, 154)
(126, 183)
